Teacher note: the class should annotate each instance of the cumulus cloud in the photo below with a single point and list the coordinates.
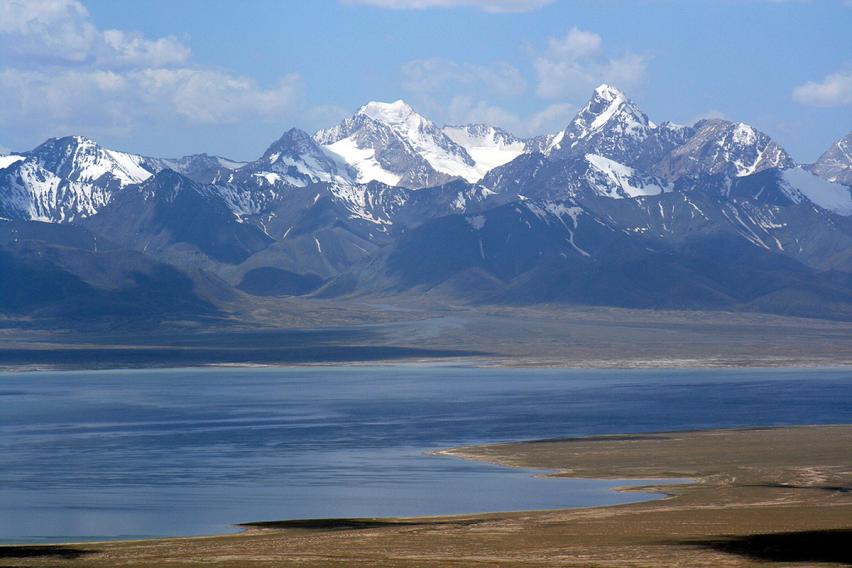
(466, 110)
(60, 73)
(710, 113)
(435, 75)
(567, 68)
(553, 118)
(575, 63)
(493, 6)
(87, 100)
(60, 31)
(834, 90)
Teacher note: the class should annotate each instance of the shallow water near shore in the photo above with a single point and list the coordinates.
(145, 453)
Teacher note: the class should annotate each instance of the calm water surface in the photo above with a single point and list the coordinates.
(120, 454)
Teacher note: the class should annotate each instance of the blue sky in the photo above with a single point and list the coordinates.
(166, 77)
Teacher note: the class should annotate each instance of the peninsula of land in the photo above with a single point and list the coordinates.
(757, 497)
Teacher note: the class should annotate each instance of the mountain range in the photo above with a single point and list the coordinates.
(613, 210)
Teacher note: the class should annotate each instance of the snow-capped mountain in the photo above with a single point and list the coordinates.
(836, 163)
(32, 192)
(67, 178)
(723, 147)
(388, 201)
(488, 146)
(612, 126)
(77, 158)
(392, 144)
(74, 177)
(294, 160)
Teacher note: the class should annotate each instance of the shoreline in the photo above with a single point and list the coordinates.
(738, 480)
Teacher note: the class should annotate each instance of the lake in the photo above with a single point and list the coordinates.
(146, 453)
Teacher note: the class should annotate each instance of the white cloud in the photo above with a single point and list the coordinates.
(575, 63)
(213, 97)
(131, 49)
(434, 75)
(567, 67)
(325, 115)
(466, 110)
(834, 90)
(494, 6)
(60, 31)
(711, 113)
(552, 119)
(60, 74)
(96, 101)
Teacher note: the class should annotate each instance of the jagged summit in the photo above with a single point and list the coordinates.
(609, 93)
(294, 160)
(725, 148)
(613, 126)
(609, 104)
(292, 142)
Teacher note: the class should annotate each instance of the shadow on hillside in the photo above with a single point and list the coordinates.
(808, 546)
(63, 552)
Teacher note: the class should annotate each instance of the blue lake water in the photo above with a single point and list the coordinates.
(128, 454)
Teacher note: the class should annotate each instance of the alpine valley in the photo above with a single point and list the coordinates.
(615, 210)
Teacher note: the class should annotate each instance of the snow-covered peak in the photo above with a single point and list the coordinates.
(77, 158)
(489, 146)
(393, 144)
(292, 143)
(608, 92)
(608, 104)
(397, 112)
(68, 178)
(612, 126)
(481, 135)
(295, 160)
(744, 134)
(723, 147)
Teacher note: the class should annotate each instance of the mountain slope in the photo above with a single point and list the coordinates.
(169, 214)
(70, 273)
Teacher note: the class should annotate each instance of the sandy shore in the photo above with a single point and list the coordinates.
(760, 497)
